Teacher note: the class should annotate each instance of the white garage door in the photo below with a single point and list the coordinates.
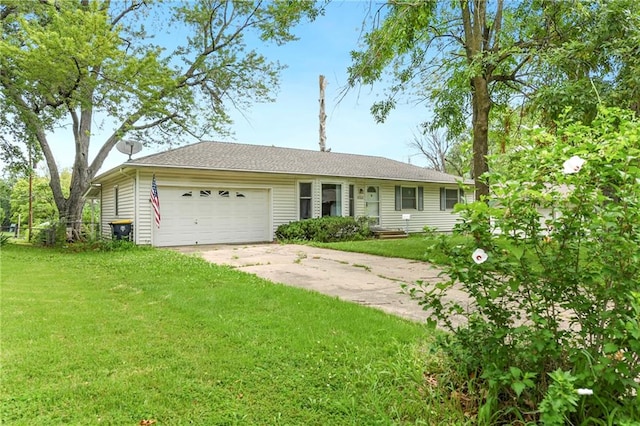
(212, 216)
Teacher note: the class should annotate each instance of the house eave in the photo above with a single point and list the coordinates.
(93, 191)
(297, 173)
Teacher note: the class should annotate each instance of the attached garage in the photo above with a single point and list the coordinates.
(212, 215)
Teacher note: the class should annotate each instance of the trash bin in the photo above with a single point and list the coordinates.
(121, 229)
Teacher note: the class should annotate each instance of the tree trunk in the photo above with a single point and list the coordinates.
(477, 35)
(81, 177)
(481, 108)
(73, 215)
(70, 208)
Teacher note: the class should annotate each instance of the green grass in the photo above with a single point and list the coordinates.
(122, 336)
(416, 247)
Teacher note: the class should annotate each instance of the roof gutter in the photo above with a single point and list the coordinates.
(464, 181)
(93, 188)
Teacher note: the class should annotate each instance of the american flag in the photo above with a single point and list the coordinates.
(155, 201)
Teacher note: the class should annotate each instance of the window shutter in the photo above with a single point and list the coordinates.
(462, 199)
(420, 198)
(398, 198)
(443, 199)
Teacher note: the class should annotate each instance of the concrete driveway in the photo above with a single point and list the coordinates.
(360, 278)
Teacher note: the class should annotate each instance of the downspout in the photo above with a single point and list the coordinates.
(136, 204)
(101, 212)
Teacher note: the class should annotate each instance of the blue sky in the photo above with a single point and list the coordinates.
(292, 120)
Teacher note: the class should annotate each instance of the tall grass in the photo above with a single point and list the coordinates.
(123, 336)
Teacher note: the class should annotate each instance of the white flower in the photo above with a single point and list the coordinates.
(573, 165)
(584, 391)
(479, 256)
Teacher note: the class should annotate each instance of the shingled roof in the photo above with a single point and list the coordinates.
(270, 159)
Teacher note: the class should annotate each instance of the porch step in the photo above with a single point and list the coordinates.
(387, 234)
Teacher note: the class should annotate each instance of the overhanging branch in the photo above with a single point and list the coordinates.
(131, 8)
(155, 123)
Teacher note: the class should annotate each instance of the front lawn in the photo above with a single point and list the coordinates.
(415, 246)
(125, 336)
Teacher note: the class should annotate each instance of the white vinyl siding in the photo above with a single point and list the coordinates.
(125, 185)
(283, 197)
(431, 215)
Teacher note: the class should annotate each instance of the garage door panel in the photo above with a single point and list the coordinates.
(213, 215)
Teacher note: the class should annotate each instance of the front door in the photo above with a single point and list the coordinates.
(372, 203)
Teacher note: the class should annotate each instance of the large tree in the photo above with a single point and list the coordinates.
(75, 63)
(473, 58)
(465, 56)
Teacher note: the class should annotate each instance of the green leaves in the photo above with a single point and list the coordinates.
(591, 59)
(86, 65)
(521, 381)
(324, 229)
(561, 399)
(558, 295)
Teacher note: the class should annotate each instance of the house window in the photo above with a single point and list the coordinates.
(188, 194)
(205, 193)
(224, 194)
(449, 197)
(331, 199)
(351, 201)
(115, 199)
(240, 195)
(305, 199)
(409, 198)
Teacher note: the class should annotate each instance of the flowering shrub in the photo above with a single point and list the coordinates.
(552, 270)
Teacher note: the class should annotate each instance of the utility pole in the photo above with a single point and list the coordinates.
(323, 116)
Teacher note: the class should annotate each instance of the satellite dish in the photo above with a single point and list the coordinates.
(129, 147)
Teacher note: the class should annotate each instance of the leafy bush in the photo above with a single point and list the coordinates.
(50, 234)
(325, 229)
(552, 271)
(4, 239)
(430, 231)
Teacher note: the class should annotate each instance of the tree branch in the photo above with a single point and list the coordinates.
(115, 137)
(468, 31)
(494, 30)
(35, 127)
(513, 75)
(155, 123)
(134, 6)
(75, 122)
